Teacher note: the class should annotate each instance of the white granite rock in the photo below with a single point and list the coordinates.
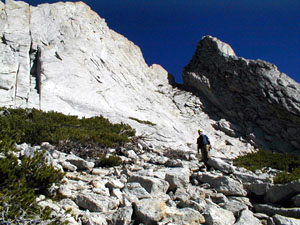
(64, 57)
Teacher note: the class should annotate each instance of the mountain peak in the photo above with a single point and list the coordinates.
(213, 44)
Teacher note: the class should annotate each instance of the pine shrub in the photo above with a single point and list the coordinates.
(289, 164)
(23, 179)
(110, 161)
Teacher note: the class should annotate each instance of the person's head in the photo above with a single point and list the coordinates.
(200, 131)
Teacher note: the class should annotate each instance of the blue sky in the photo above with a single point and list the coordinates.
(168, 31)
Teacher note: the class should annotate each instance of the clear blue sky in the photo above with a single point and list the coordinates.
(168, 31)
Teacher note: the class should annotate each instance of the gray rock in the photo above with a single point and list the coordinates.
(177, 177)
(249, 177)
(151, 184)
(135, 190)
(68, 166)
(80, 163)
(221, 165)
(223, 184)
(181, 194)
(246, 217)
(215, 215)
(174, 163)
(296, 200)
(282, 192)
(184, 216)
(149, 211)
(257, 188)
(282, 220)
(121, 216)
(225, 126)
(96, 203)
(272, 210)
(218, 198)
(154, 211)
(234, 206)
(114, 183)
(199, 206)
(90, 218)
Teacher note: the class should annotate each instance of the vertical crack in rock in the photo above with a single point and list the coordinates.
(35, 70)
(16, 86)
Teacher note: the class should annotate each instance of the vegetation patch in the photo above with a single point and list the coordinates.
(110, 161)
(23, 179)
(142, 121)
(289, 164)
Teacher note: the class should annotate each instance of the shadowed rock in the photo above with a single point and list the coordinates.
(257, 96)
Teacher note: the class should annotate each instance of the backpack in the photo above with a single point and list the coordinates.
(205, 140)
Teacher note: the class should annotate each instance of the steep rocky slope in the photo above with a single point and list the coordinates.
(63, 57)
(165, 187)
(262, 102)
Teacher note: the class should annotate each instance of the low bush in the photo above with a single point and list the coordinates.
(289, 164)
(104, 161)
(35, 126)
(23, 179)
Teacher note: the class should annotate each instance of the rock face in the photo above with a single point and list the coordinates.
(264, 102)
(63, 57)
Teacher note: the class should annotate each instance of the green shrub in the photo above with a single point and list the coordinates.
(22, 180)
(286, 177)
(288, 163)
(35, 126)
(111, 161)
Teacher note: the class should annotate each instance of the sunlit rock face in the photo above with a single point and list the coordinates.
(64, 57)
(252, 94)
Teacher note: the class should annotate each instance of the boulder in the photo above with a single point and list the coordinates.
(150, 211)
(114, 183)
(257, 188)
(234, 206)
(282, 220)
(90, 218)
(183, 216)
(121, 216)
(282, 192)
(151, 184)
(154, 211)
(221, 165)
(96, 203)
(247, 176)
(247, 217)
(177, 177)
(273, 210)
(80, 163)
(135, 191)
(199, 206)
(215, 215)
(223, 184)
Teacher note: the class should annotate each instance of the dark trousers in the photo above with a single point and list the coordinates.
(204, 155)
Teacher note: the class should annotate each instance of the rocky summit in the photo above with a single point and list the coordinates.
(262, 102)
(63, 57)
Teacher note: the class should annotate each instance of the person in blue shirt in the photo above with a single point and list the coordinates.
(203, 144)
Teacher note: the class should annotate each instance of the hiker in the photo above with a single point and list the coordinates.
(203, 143)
